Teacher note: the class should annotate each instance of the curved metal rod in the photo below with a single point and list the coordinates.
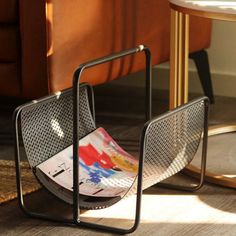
(210, 176)
(202, 170)
(148, 98)
(76, 79)
(21, 202)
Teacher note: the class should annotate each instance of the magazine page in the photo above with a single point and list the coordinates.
(105, 169)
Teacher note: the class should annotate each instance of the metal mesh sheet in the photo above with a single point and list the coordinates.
(47, 127)
(171, 141)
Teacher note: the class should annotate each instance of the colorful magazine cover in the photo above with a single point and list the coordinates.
(105, 169)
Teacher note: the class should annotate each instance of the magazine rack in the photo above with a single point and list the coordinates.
(168, 142)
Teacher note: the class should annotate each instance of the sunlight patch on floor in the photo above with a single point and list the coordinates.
(167, 209)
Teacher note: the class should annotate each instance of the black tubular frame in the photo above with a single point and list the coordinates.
(76, 78)
(148, 106)
(16, 116)
(204, 151)
(75, 220)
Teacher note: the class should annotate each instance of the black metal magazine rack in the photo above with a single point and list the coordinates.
(168, 142)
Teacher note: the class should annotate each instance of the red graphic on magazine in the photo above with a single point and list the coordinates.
(90, 156)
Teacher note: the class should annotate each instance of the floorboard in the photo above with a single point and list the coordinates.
(209, 211)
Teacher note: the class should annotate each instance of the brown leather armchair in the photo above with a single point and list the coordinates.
(43, 41)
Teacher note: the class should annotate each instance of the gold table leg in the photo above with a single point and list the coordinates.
(179, 49)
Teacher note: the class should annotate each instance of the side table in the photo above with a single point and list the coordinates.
(180, 11)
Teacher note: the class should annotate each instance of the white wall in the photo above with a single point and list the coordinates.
(223, 48)
(222, 57)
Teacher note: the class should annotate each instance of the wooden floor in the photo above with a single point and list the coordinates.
(209, 211)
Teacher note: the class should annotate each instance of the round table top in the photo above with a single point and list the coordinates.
(216, 9)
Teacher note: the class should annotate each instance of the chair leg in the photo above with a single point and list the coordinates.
(202, 64)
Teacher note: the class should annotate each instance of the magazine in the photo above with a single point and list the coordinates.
(105, 169)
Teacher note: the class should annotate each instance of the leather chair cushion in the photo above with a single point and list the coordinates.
(9, 79)
(8, 11)
(9, 41)
(56, 41)
(81, 32)
(199, 33)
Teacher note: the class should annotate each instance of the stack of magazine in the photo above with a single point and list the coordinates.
(105, 169)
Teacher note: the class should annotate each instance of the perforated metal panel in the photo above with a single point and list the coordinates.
(47, 127)
(171, 142)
